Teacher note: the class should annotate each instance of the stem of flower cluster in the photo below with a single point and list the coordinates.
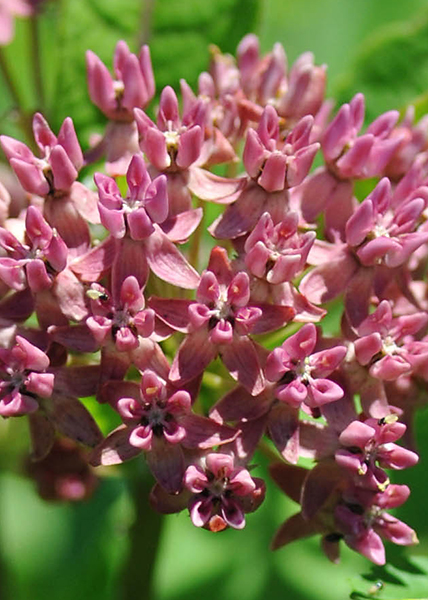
(146, 22)
(144, 535)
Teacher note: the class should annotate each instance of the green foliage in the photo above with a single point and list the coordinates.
(402, 577)
(392, 68)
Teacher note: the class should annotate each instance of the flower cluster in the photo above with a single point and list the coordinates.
(136, 305)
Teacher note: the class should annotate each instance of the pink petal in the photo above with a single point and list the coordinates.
(241, 360)
(166, 462)
(115, 449)
(168, 263)
(193, 356)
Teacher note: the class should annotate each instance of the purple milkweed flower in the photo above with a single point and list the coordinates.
(219, 323)
(364, 156)
(175, 146)
(157, 420)
(173, 142)
(277, 252)
(377, 233)
(301, 374)
(277, 165)
(338, 510)
(381, 346)
(136, 224)
(35, 264)
(347, 156)
(23, 378)
(145, 204)
(58, 167)
(264, 80)
(132, 87)
(363, 521)
(368, 447)
(273, 166)
(123, 318)
(221, 493)
(68, 204)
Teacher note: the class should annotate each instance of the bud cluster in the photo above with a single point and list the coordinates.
(139, 320)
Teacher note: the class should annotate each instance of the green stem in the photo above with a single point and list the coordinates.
(144, 536)
(196, 242)
(36, 61)
(24, 118)
(146, 22)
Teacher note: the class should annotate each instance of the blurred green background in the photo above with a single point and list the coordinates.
(99, 550)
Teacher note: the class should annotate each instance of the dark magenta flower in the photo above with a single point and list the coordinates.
(300, 374)
(219, 322)
(368, 447)
(159, 421)
(23, 378)
(221, 493)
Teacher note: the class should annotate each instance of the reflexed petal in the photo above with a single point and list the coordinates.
(205, 433)
(193, 356)
(174, 312)
(115, 449)
(166, 462)
(242, 362)
(295, 528)
(73, 420)
(369, 545)
(168, 263)
(283, 426)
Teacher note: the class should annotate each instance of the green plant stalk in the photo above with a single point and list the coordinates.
(36, 61)
(24, 118)
(144, 536)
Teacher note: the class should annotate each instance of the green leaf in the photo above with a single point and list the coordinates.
(403, 578)
(392, 68)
